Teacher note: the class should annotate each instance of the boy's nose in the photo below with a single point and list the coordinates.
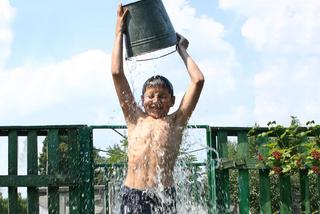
(156, 100)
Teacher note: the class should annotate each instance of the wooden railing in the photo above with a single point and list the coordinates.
(78, 177)
(80, 171)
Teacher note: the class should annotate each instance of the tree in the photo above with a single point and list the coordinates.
(22, 204)
(63, 149)
(3, 204)
(63, 159)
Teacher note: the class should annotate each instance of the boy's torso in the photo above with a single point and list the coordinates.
(153, 146)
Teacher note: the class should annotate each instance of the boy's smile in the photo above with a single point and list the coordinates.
(157, 101)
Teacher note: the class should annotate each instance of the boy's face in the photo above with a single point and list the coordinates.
(157, 101)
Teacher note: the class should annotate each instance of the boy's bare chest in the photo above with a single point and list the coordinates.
(155, 133)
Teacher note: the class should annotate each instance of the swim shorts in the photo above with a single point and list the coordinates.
(135, 201)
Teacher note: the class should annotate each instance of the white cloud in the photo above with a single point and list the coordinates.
(204, 33)
(287, 89)
(285, 33)
(287, 26)
(27, 89)
(45, 92)
(214, 55)
(7, 13)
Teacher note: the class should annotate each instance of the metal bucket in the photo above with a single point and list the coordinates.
(148, 28)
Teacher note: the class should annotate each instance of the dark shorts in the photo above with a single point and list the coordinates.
(136, 201)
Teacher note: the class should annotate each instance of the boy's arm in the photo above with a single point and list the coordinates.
(125, 95)
(191, 97)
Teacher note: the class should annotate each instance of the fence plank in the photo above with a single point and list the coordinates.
(74, 163)
(106, 187)
(305, 194)
(53, 169)
(265, 199)
(13, 170)
(86, 148)
(264, 181)
(32, 169)
(318, 193)
(222, 176)
(243, 151)
(35, 181)
(285, 194)
(211, 143)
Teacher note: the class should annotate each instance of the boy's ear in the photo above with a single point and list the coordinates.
(173, 99)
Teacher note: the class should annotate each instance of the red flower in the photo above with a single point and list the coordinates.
(298, 163)
(316, 169)
(277, 155)
(260, 157)
(315, 154)
(277, 170)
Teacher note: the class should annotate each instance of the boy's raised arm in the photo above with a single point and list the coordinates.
(126, 98)
(191, 97)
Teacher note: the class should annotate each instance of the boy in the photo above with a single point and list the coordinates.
(154, 137)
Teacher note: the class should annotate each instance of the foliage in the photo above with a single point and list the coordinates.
(3, 204)
(63, 151)
(290, 149)
(63, 159)
(22, 204)
(118, 152)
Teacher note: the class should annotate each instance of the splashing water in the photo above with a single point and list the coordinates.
(190, 183)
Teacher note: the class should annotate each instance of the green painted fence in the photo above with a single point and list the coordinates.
(243, 164)
(79, 175)
(219, 166)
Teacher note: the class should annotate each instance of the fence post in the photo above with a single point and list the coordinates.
(53, 169)
(285, 194)
(87, 167)
(74, 166)
(32, 164)
(264, 181)
(243, 151)
(222, 175)
(106, 172)
(211, 143)
(304, 189)
(13, 170)
(318, 179)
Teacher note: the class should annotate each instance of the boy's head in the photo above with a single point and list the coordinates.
(157, 96)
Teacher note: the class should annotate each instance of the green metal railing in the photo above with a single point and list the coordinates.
(79, 177)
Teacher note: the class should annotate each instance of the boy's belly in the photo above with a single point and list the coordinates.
(148, 174)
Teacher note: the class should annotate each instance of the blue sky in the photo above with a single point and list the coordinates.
(260, 59)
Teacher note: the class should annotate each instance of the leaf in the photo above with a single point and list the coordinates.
(286, 168)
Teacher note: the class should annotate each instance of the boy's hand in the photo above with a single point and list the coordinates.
(183, 43)
(121, 19)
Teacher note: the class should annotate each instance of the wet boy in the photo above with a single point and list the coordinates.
(154, 137)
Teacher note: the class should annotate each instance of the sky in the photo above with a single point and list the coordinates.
(260, 59)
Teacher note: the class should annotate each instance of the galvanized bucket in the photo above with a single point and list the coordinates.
(148, 28)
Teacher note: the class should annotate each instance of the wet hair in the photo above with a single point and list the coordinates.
(158, 80)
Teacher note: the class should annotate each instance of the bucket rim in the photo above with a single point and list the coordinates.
(135, 2)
